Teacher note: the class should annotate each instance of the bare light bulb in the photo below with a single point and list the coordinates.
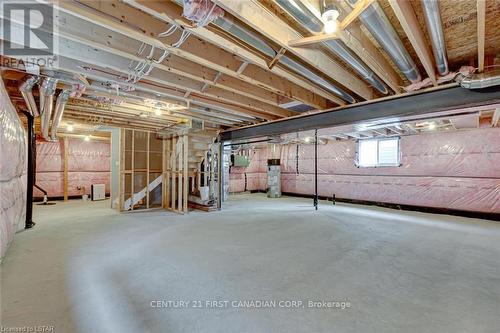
(87, 138)
(158, 111)
(432, 126)
(329, 18)
(70, 128)
(330, 27)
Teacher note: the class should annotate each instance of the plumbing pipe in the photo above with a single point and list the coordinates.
(30, 171)
(304, 16)
(435, 28)
(62, 99)
(26, 89)
(382, 30)
(47, 90)
(247, 36)
(258, 43)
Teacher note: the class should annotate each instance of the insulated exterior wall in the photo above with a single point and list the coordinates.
(13, 150)
(251, 178)
(88, 163)
(455, 170)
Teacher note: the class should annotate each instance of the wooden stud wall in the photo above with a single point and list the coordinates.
(175, 174)
(141, 164)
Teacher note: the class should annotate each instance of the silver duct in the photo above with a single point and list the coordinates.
(304, 16)
(26, 89)
(47, 90)
(480, 80)
(258, 43)
(62, 99)
(435, 28)
(379, 26)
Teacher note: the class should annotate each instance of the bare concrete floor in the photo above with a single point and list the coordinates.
(85, 268)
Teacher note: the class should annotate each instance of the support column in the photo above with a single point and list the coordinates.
(316, 169)
(220, 174)
(65, 172)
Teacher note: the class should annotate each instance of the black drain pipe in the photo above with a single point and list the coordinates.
(30, 172)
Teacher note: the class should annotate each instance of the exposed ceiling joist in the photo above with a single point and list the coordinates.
(258, 72)
(261, 19)
(81, 31)
(91, 55)
(356, 39)
(104, 14)
(406, 16)
(304, 41)
(360, 6)
(481, 21)
(142, 91)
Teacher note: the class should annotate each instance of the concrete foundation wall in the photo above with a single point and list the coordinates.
(454, 170)
(88, 163)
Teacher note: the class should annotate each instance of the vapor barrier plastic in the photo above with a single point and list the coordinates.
(454, 170)
(88, 163)
(203, 11)
(12, 171)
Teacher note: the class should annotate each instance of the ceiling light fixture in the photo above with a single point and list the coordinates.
(157, 111)
(329, 18)
(432, 126)
(70, 128)
(87, 138)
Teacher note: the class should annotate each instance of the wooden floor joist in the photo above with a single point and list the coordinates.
(481, 14)
(261, 19)
(277, 79)
(406, 16)
(193, 50)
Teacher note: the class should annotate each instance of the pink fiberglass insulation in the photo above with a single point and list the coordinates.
(454, 170)
(249, 179)
(88, 163)
(12, 171)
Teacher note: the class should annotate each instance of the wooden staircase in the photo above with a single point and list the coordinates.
(200, 143)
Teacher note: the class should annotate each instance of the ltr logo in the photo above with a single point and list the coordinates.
(27, 29)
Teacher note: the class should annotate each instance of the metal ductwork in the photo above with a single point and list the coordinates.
(298, 10)
(62, 99)
(47, 90)
(26, 90)
(480, 80)
(258, 43)
(435, 28)
(379, 26)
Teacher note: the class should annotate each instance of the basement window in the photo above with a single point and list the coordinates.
(378, 152)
